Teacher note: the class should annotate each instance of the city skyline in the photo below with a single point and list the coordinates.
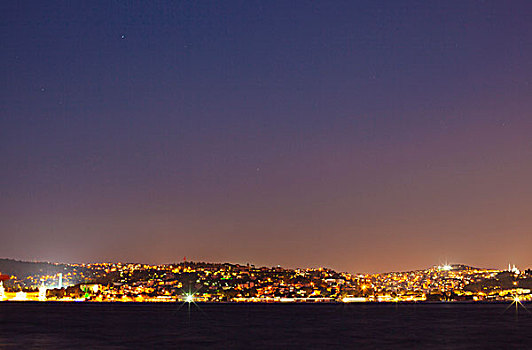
(362, 136)
(190, 282)
(441, 265)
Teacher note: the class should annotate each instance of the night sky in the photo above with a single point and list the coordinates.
(363, 136)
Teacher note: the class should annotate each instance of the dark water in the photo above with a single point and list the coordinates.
(263, 326)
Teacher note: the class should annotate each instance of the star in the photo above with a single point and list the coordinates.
(123, 36)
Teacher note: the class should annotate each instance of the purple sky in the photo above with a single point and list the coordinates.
(360, 135)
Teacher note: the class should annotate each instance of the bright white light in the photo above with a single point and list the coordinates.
(20, 296)
(446, 267)
(189, 298)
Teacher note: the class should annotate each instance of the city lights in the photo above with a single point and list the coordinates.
(212, 282)
(445, 267)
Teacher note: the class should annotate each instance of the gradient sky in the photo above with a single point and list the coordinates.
(363, 136)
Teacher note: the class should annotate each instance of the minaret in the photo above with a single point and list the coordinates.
(42, 293)
(60, 280)
(2, 291)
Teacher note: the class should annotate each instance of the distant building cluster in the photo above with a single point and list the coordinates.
(212, 282)
(449, 283)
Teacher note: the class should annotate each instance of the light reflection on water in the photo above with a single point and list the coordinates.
(126, 326)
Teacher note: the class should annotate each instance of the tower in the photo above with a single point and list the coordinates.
(60, 280)
(42, 293)
(2, 291)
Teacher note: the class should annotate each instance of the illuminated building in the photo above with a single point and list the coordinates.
(2, 291)
(42, 293)
(20, 296)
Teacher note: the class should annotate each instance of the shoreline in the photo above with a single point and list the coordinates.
(524, 302)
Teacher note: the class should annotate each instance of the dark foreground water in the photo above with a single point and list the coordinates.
(262, 326)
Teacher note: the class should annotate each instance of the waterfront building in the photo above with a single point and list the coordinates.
(2, 291)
